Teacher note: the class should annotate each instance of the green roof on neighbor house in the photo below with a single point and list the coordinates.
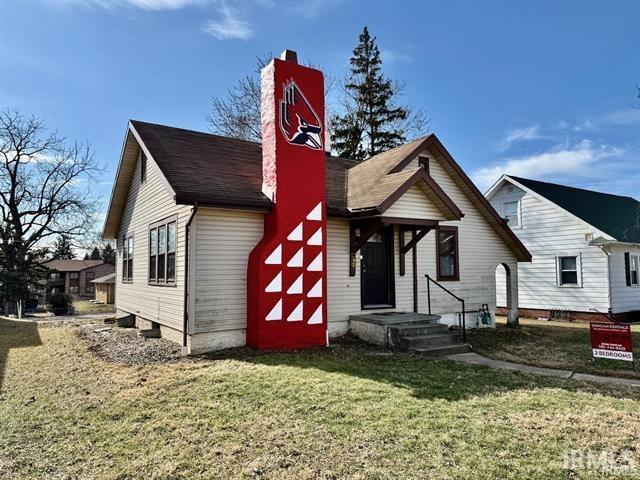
(613, 214)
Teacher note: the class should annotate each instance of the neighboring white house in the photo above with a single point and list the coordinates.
(585, 247)
(187, 208)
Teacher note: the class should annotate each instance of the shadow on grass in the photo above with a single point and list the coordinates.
(425, 378)
(16, 334)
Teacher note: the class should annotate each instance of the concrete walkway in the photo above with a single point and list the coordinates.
(475, 359)
(61, 318)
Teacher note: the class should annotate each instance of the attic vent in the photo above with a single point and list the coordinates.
(510, 189)
(424, 163)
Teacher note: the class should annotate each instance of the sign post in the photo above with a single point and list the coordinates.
(611, 341)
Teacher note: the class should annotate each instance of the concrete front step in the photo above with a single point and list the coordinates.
(393, 319)
(425, 341)
(442, 350)
(419, 329)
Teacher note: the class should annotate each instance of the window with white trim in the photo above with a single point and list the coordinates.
(510, 213)
(634, 269)
(568, 273)
(127, 260)
(162, 252)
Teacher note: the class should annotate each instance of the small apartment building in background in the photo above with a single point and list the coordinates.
(585, 247)
(74, 277)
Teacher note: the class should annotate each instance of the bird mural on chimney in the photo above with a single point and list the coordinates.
(286, 275)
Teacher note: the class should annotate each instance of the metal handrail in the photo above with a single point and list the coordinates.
(461, 300)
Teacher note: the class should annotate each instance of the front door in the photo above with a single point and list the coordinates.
(377, 270)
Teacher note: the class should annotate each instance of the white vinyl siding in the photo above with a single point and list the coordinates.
(623, 298)
(223, 241)
(414, 204)
(549, 232)
(480, 251)
(147, 204)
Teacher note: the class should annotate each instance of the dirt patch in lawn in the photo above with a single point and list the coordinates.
(123, 345)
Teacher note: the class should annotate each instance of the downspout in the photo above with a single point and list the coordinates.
(185, 316)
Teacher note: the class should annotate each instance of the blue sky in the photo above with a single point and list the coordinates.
(545, 90)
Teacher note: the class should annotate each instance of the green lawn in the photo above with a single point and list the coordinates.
(341, 412)
(553, 345)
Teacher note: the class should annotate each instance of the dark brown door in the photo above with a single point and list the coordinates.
(377, 271)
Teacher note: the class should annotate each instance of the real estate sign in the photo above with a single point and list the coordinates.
(611, 341)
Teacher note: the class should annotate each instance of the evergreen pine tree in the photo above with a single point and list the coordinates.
(95, 254)
(371, 124)
(108, 254)
(62, 249)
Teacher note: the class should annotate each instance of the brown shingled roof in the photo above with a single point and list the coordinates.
(221, 171)
(72, 265)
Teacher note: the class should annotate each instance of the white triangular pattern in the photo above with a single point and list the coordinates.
(296, 234)
(316, 264)
(296, 286)
(276, 284)
(276, 312)
(296, 315)
(296, 260)
(276, 256)
(316, 238)
(316, 318)
(316, 213)
(316, 290)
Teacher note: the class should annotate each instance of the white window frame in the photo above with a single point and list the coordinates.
(578, 257)
(504, 213)
(635, 256)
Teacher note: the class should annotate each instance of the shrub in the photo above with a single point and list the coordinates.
(60, 301)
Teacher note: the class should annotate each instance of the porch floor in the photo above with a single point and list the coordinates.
(395, 318)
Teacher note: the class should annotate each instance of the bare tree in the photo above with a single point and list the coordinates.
(237, 115)
(44, 191)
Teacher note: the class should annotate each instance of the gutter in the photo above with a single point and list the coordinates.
(185, 316)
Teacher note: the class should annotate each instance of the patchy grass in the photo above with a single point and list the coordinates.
(551, 344)
(341, 412)
(85, 306)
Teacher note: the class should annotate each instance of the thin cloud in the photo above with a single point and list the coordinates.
(392, 56)
(520, 134)
(155, 5)
(231, 25)
(163, 4)
(626, 117)
(579, 160)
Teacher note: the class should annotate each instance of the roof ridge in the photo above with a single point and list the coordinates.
(572, 187)
(198, 132)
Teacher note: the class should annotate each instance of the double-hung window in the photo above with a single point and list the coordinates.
(447, 251)
(88, 279)
(632, 269)
(74, 282)
(127, 260)
(510, 212)
(162, 252)
(568, 271)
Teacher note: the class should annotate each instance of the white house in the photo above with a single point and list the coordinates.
(585, 247)
(187, 208)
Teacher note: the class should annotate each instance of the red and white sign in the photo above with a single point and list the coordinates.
(286, 273)
(611, 341)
